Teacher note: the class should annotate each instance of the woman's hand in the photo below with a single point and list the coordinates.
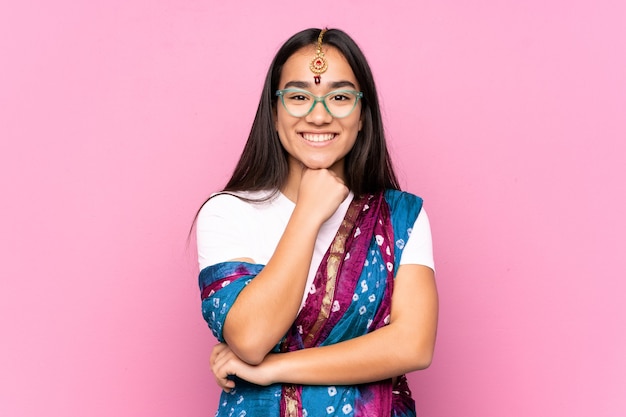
(321, 192)
(225, 363)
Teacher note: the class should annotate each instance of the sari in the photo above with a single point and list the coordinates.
(350, 296)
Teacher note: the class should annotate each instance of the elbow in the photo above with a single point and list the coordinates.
(250, 356)
(421, 352)
(423, 361)
(249, 352)
(421, 358)
(250, 345)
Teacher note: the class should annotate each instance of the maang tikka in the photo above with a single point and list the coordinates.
(319, 65)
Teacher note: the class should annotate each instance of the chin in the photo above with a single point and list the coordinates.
(317, 165)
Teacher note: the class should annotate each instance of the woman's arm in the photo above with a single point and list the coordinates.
(267, 307)
(405, 345)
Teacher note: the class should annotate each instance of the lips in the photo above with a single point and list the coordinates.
(318, 137)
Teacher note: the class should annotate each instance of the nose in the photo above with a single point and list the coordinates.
(319, 115)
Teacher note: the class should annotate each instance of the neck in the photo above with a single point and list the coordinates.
(290, 188)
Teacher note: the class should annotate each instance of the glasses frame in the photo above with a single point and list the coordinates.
(316, 99)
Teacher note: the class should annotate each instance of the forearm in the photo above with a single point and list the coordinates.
(267, 307)
(376, 356)
(405, 345)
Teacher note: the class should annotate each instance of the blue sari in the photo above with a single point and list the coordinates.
(351, 297)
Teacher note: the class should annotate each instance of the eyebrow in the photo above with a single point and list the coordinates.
(306, 84)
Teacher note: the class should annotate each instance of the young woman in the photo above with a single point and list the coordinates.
(316, 271)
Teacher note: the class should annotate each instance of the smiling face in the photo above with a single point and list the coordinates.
(317, 140)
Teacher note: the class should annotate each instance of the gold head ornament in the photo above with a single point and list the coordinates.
(319, 65)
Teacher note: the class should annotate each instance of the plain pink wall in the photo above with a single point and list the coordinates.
(118, 118)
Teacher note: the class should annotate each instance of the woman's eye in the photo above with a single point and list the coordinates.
(298, 97)
(340, 97)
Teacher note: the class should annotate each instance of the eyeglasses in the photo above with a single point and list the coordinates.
(338, 103)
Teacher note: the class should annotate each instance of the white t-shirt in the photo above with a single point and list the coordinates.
(230, 228)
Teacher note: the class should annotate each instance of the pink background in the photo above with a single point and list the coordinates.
(118, 117)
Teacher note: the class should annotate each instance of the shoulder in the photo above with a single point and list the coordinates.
(226, 227)
(411, 228)
(402, 202)
(223, 200)
(229, 204)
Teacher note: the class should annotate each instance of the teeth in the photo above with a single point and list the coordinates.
(318, 137)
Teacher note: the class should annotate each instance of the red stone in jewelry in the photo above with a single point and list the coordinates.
(317, 79)
(318, 64)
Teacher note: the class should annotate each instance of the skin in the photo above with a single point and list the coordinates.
(268, 306)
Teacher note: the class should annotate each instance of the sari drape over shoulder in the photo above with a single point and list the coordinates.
(350, 296)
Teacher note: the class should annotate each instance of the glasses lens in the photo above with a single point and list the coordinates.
(341, 103)
(297, 103)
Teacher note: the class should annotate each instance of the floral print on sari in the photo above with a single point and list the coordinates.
(350, 296)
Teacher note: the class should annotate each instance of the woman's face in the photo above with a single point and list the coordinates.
(317, 140)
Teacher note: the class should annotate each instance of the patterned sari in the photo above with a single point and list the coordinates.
(350, 296)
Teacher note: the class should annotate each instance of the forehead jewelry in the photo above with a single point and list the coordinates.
(319, 65)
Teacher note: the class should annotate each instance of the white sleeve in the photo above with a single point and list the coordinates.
(419, 248)
(221, 230)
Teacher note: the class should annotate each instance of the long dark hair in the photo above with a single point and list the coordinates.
(263, 162)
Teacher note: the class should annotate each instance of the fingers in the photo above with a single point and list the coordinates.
(219, 360)
(321, 192)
